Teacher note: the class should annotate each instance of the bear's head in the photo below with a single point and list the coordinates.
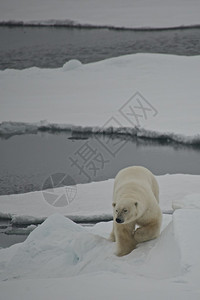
(127, 210)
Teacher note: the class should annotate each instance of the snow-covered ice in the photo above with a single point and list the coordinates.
(148, 95)
(189, 201)
(62, 250)
(93, 200)
(120, 13)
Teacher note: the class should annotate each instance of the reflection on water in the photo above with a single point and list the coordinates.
(49, 47)
(26, 161)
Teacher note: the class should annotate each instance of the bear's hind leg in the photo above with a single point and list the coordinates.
(147, 232)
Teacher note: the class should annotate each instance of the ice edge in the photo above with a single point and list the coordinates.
(8, 129)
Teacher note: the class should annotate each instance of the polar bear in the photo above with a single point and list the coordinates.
(135, 202)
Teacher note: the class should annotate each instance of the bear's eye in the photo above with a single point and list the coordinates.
(125, 210)
(116, 210)
(136, 204)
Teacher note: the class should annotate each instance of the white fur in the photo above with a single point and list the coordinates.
(135, 201)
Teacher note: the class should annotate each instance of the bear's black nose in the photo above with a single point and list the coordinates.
(118, 220)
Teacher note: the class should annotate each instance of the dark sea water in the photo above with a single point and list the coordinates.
(27, 161)
(51, 47)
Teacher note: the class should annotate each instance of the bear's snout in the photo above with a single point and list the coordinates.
(118, 220)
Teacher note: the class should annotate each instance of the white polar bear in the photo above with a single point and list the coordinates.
(135, 201)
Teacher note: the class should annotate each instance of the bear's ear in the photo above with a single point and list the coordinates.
(114, 204)
(136, 204)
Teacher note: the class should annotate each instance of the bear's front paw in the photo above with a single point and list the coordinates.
(119, 253)
(123, 252)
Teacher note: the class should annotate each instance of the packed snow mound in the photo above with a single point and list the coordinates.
(71, 65)
(61, 248)
(58, 247)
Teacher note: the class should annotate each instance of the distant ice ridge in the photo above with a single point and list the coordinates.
(16, 128)
(74, 24)
(87, 13)
(51, 22)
